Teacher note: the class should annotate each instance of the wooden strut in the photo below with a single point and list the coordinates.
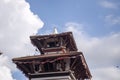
(73, 63)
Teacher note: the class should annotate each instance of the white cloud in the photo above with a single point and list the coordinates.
(111, 19)
(17, 23)
(108, 4)
(109, 73)
(102, 54)
(5, 72)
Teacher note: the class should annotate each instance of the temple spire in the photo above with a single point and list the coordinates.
(55, 31)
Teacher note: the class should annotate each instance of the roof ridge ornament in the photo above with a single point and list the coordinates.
(55, 31)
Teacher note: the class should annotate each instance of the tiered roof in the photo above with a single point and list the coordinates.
(58, 55)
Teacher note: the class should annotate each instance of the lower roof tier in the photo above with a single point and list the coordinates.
(73, 61)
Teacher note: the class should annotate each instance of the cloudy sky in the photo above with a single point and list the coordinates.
(94, 23)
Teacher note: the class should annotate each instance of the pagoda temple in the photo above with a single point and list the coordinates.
(59, 59)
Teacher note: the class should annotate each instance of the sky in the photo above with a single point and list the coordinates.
(95, 25)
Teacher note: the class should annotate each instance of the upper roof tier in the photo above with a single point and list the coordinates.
(54, 42)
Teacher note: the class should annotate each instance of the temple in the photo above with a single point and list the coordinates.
(59, 59)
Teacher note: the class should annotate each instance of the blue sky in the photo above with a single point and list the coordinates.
(95, 25)
(91, 13)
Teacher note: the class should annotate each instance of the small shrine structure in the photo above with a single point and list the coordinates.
(59, 59)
